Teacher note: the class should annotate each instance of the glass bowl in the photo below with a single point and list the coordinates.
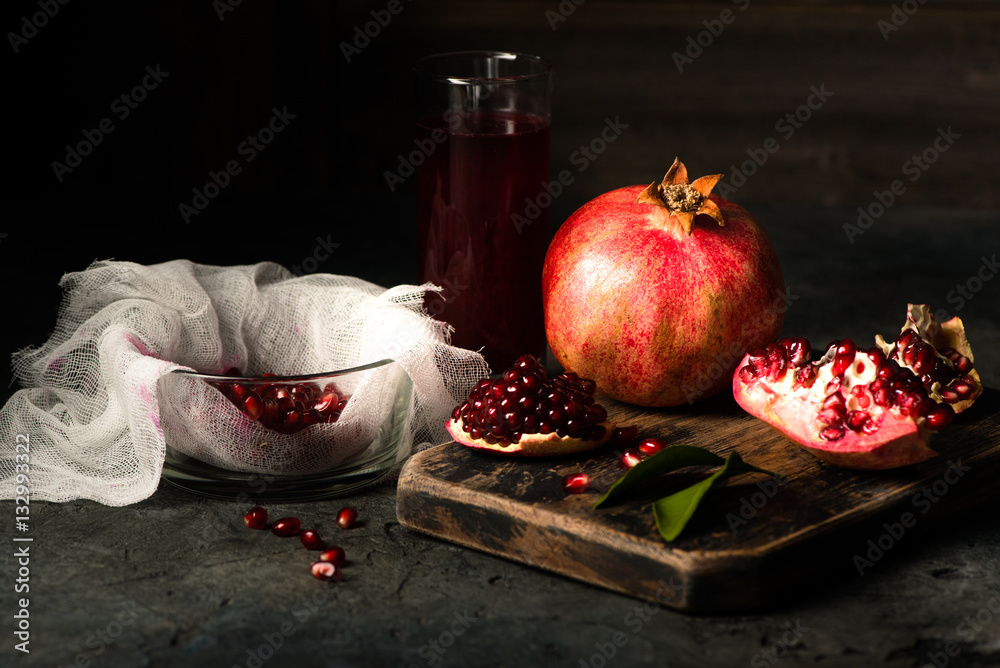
(287, 438)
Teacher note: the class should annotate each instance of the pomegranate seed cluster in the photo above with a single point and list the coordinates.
(284, 407)
(331, 559)
(948, 367)
(526, 401)
(861, 385)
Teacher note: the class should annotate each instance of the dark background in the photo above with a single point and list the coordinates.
(324, 176)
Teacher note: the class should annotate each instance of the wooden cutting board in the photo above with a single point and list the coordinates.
(750, 542)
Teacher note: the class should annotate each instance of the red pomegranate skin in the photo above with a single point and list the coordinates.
(654, 316)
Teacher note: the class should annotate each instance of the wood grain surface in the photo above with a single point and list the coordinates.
(751, 542)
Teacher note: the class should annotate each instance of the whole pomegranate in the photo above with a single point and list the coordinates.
(657, 292)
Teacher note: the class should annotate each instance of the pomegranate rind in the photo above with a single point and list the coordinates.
(658, 318)
(941, 335)
(532, 445)
(899, 441)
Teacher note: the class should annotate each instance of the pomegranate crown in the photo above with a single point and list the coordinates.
(683, 201)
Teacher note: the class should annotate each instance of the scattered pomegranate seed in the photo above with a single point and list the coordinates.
(326, 570)
(286, 526)
(622, 436)
(335, 555)
(650, 446)
(347, 517)
(311, 540)
(576, 483)
(256, 518)
(629, 458)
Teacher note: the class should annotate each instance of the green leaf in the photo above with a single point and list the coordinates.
(673, 512)
(667, 460)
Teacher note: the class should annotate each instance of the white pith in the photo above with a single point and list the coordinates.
(862, 371)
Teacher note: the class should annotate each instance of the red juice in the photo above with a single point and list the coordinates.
(469, 190)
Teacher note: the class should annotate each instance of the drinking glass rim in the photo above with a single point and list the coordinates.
(279, 379)
(419, 66)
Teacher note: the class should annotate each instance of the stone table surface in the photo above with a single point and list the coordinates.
(178, 580)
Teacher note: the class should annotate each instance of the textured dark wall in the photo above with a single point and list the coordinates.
(882, 87)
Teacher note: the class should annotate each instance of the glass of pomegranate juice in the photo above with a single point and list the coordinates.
(482, 157)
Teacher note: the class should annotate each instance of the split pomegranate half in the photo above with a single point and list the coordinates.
(863, 409)
(526, 413)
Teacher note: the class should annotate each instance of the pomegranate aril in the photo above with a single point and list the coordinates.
(747, 374)
(650, 446)
(526, 363)
(286, 526)
(253, 406)
(832, 433)
(923, 359)
(962, 389)
(831, 416)
(596, 414)
(576, 483)
(883, 397)
(238, 393)
(629, 458)
(758, 359)
(325, 570)
(856, 420)
(347, 517)
(311, 540)
(834, 400)
(326, 402)
(256, 518)
(962, 364)
(805, 376)
(799, 351)
(621, 436)
(777, 362)
(844, 357)
(876, 355)
(292, 421)
(950, 396)
(334, 555)
(939, 416)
